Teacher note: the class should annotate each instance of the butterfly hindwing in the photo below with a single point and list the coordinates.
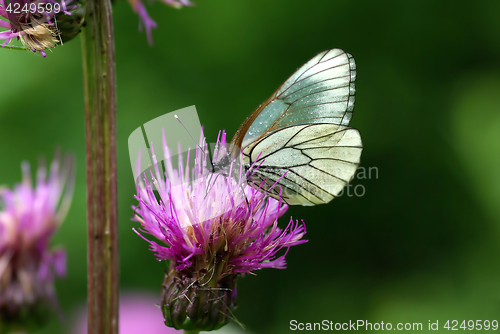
(311, 163)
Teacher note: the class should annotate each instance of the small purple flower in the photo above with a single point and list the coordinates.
(29, 216)
(146, 21)
(213, 228)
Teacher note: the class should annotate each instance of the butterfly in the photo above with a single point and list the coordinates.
(298, 145)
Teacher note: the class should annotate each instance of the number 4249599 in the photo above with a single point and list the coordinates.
(33, 8)
(471, 325)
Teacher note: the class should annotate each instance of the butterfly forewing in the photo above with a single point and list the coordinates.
(321, 91)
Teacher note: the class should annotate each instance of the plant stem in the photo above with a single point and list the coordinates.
(100, 123)
(15, 47)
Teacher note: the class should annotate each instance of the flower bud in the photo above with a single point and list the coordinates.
(190, 303)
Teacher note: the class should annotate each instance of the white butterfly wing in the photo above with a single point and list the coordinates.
(312, 163)
(321, 91)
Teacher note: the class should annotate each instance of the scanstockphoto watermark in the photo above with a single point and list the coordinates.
(180, 128)
(359, 190)
(365, 325)
(146, 143)
(176, 131)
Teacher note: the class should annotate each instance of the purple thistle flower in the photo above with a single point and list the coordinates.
(146, 21)
(213, 228)
(29, 216)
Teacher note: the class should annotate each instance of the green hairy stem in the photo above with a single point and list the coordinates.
(100, 111)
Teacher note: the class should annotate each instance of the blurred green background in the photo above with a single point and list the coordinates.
(421, 244)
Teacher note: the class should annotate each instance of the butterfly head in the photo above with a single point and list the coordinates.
(230, 164)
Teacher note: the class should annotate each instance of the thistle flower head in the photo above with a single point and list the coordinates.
(212, 229)
(40, 24)
(29, 216)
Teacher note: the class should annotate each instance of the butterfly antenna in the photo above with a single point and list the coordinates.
(245, 195)
(209, 183)
(190, 135)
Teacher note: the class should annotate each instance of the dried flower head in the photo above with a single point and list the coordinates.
(29, 216)
(213, 229)
(41, 24)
